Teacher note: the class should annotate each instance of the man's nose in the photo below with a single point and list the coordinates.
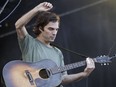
(55, 32)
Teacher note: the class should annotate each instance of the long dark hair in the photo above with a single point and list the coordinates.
(43, 19)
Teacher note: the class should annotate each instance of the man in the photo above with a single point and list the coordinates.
(39, 48)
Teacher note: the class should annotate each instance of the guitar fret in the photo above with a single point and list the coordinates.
(67, 67)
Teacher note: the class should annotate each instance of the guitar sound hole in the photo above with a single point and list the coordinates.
(44, 73)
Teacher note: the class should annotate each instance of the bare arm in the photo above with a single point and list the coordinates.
(21, 22)
(76, 77)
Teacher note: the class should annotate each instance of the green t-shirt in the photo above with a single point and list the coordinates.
(33, 50)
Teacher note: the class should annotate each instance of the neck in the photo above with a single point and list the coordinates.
(43, 41)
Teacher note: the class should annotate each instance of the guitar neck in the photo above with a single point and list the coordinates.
(68, 67)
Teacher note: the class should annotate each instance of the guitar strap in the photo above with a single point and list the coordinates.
(79, 54)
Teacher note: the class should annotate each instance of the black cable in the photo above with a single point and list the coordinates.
(111, 48)
(79, 54)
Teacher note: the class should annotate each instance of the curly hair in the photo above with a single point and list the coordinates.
(43, 19)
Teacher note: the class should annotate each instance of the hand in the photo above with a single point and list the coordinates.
(45, 6)
(90, 66)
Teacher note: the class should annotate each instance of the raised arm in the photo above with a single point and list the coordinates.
(21, 22)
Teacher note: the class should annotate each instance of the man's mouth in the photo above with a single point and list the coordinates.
(52, 37)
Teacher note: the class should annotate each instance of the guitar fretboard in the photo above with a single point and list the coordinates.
(101, 59)
(67, 67)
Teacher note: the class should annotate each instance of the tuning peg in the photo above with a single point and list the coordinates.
(101, 64)
(105, 64)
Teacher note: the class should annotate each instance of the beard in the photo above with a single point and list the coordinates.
(50, 38)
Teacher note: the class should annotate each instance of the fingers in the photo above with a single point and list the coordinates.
(47, 5)
(90, 64)
(90, 61)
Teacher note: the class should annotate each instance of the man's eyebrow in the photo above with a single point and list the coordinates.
(54, 28)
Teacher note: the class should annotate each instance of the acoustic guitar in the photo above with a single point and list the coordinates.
(44, 73)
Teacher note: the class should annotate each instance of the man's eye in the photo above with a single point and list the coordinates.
(50, 28)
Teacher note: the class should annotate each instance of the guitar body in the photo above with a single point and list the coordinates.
(24, 74)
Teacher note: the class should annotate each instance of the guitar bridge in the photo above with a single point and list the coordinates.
(29, 77)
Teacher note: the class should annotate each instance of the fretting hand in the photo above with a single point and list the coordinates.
(90, 66)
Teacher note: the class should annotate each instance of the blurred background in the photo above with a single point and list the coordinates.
(87, 27)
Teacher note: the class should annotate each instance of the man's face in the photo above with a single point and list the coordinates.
(50, 31)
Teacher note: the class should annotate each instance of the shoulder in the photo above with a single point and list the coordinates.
(28, 39)
(27, 36)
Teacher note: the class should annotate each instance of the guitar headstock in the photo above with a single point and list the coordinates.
(104, 60)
